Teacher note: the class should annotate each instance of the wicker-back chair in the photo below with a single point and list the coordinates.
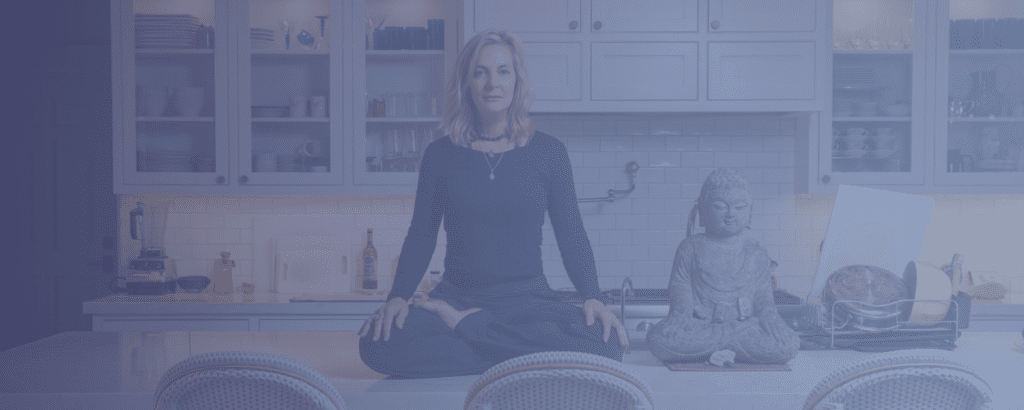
(929, 379)
(244, 381)
(559, 380)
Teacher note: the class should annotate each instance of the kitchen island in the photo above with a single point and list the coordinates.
(119, 370)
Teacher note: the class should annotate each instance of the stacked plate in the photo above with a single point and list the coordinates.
(853, 76)
(165, 30)
(262, 38)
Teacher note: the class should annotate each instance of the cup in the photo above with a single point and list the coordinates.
(297, 106)
(265, 163)
(189, 101)
(150, 100)
(318, 106)
(313, 148)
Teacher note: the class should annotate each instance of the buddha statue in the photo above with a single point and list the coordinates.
(721, 305)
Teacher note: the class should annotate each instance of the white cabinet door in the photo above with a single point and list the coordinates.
(526, 16)
(644, 71)
(761, 15)
(554, 70)
(761, 71)
(643, 16)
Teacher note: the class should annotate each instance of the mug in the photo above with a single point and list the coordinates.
(313, 148)
(297, 106)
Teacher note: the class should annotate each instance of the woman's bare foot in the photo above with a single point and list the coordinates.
(448, 314)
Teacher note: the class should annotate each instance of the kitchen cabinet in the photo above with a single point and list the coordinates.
(398, 90)
(218, 96)
(979, 95)
(874, 131)
(664, 56)
(903, 115)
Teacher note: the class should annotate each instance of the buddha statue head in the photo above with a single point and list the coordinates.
(724, 205)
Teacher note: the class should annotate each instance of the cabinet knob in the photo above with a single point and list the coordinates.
(597, 25)
(573, 24)
(220, 180)
(825, 179)
(715, 24)
(244, 179)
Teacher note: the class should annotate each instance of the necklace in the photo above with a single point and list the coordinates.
(495, 164)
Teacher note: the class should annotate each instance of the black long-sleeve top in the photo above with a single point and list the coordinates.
(493, 227)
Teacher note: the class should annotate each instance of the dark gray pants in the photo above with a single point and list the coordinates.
(504, 328)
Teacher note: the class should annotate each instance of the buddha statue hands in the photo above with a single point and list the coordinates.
(720, 289)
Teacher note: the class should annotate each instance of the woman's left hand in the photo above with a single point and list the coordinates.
(594, 308)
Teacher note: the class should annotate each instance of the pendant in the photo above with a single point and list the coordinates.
(492, 175)
(490, 154)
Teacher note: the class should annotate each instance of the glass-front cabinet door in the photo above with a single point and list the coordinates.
(874, 132)
(291, 69)
(981, 69)
(400, 75)
(170, 75)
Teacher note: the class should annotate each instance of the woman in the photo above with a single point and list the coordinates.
(491, 180)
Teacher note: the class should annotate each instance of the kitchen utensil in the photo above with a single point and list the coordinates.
(871, 227)
(313, 148)
(435, 28)
(931, 289)
(875, 288)
(153, 272)
(189, 101)
(193, 283)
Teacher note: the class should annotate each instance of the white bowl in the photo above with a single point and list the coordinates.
(927, 281)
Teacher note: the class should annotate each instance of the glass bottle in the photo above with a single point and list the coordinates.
(369, 263)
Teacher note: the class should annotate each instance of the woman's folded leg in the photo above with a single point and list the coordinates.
(423, 347)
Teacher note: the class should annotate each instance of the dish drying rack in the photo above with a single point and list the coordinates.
(828, 333)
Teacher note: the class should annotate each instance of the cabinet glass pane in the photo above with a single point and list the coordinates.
(873, 24)
(986, 92)
(873, 65)
(290, 75)
(174, 86)
(404, 83)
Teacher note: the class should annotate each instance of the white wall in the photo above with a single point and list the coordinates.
(635, 237)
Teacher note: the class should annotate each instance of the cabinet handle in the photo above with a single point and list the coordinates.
(243, 179)
(220, 180)
(573, 24)
(715, 24)
(597, 25)
(825, 178)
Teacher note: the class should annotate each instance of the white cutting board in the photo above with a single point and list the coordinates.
(310, 264)
(872, 227)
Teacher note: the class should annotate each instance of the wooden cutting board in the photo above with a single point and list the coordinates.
(872, 227)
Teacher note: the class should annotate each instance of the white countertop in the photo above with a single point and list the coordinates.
(238, 304)
(86, 370)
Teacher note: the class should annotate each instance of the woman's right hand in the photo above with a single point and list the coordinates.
(393, 312)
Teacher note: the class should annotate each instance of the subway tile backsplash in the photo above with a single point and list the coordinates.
(634, 237)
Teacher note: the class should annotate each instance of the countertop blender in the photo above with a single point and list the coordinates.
(153, 272)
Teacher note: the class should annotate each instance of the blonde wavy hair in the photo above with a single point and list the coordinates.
(459, 118)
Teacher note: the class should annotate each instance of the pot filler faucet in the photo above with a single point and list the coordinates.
(614, 194)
